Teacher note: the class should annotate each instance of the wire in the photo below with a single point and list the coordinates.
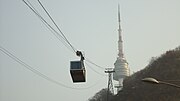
(30, 68)
(55, 33)
(94, 64)
(56, 26)
(95, 70)
(52, 29)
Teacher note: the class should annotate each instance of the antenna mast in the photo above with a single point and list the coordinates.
(120, 42)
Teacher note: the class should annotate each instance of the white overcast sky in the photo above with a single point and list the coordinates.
(150, 27)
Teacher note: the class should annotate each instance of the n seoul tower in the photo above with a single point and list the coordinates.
(120, 66)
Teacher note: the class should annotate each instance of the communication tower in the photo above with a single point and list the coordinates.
(121, 65)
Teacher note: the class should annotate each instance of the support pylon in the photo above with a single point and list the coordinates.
(110, 83)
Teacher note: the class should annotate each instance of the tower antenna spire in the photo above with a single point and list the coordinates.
(120, 42)
(119, 13)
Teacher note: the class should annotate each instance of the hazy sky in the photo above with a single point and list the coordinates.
(150, 27)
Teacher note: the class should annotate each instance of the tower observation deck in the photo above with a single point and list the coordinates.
(121, 65)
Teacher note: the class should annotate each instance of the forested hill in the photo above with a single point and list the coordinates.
(164, 68)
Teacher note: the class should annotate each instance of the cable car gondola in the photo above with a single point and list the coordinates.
(77, 69)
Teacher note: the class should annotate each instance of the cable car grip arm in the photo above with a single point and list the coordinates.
(79, 53)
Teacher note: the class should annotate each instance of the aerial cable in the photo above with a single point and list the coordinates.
(94, 70)
(30, 68)
(56, 26)
(53, 30)
(63, 34)
(94, 64)
(55, 33)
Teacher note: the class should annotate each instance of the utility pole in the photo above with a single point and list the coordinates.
(110, 83)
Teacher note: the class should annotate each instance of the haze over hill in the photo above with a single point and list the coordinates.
(165, 68)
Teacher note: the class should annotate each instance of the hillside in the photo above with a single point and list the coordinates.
(163, 68)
